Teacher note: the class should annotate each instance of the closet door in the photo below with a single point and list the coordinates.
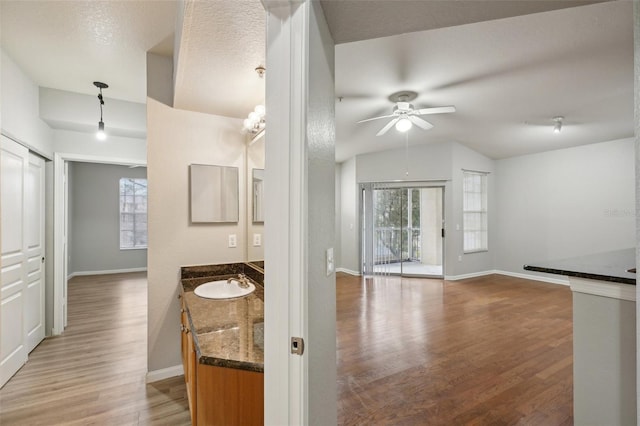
(34, 234)
(14, 164)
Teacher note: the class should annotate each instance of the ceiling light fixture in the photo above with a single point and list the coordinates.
(558, 126)
(101, 135)
(255, 123)
(261, 70)
(403, 125)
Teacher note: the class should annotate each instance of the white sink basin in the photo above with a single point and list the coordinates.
(223, 290)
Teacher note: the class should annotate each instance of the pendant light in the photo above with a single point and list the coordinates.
(101, 135)
(558, 126)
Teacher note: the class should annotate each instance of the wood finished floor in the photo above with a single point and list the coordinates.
(94, 374)
(486, 351)
(493, 350)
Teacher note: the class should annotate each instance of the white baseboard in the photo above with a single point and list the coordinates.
(110, 271)
(164, 373)
(348, 271)
(465, 276)
(534, 277)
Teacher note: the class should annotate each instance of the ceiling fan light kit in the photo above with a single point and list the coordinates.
(404, 115)
(403, 125)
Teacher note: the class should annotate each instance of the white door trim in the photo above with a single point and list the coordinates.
(59, 280)
(286, 399)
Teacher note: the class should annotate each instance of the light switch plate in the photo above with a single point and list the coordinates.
(257, 240)
(233, 240)
(330, 264)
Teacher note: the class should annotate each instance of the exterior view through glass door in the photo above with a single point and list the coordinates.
(403, 229)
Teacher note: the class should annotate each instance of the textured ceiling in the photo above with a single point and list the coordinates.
(354, 20)
(221, 44)
(67, 45)
(507, 78)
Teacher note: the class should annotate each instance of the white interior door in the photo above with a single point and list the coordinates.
(34, 231)
(14, 164)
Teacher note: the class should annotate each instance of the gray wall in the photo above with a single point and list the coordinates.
(564, 203)
(94, 242)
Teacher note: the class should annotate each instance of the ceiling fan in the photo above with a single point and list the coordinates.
(405, 116)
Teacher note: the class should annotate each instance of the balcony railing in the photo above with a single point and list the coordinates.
(393, 245)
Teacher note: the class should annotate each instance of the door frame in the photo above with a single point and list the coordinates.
(417, 184)
(59, 215)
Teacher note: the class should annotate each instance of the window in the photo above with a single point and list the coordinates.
(133, 213)
(474, 211)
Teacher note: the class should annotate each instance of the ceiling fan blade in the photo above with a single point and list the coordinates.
(389, 125)
(436, 110)
(376, 118)
(420, 122)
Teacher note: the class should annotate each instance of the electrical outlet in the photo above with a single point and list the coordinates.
(330, 265)
(233, 240)
(460, 258)
(457, 226)
(257, 240)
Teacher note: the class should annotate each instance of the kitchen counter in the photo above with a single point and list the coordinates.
(609, 266)
(226, 333)
(604, 335)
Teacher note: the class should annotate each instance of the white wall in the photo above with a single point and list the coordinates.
(349, 222)
(564, 203)
(94, 243)
(79, 112)
(19, 107)
(86, 144)
(435, 163)
(465, 158)
(544, 206)
(337, 248)
(424, 162)
(176, 139)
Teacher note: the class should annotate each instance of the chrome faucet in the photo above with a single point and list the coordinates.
(241, 280)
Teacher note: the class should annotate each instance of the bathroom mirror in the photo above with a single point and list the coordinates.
(256, 200)
(214, 193)
(258, 195)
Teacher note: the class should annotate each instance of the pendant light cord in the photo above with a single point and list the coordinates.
(101, 103)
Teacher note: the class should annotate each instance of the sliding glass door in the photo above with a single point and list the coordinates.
(402, 229)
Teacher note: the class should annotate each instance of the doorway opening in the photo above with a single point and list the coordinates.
(403, 229)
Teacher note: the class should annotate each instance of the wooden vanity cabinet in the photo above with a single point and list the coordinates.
(219, 395)
(229, 396)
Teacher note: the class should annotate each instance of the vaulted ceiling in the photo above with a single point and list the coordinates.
(508, 66)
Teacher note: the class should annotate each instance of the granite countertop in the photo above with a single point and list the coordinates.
(226, 333)
(610, 266)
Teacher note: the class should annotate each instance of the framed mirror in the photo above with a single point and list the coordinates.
(214, 193)
(258, 195)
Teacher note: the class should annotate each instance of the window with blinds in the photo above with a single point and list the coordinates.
(133, 213)
(474, 211)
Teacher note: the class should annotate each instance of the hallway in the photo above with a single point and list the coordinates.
(95, 372)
